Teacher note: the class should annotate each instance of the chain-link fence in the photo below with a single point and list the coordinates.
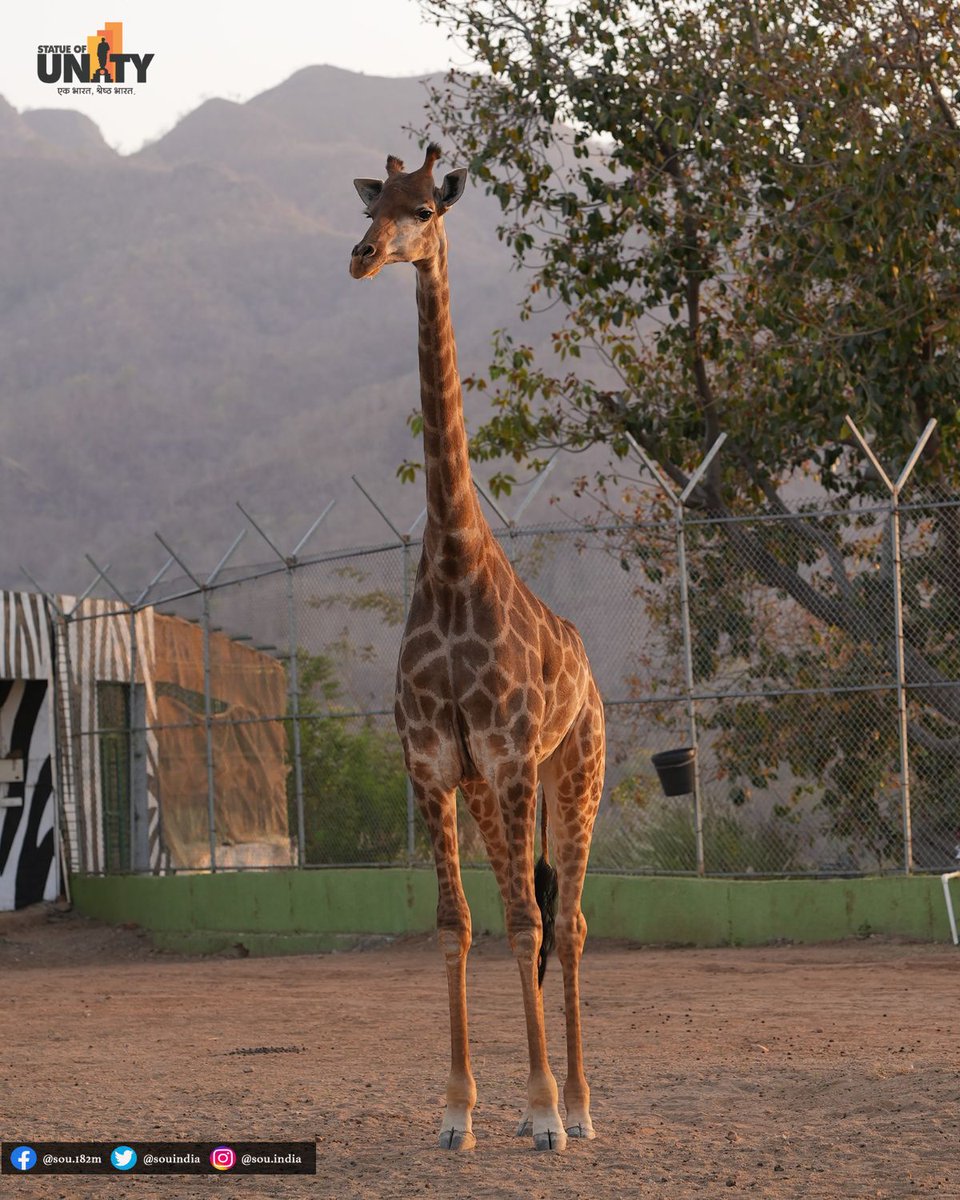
(812, 658)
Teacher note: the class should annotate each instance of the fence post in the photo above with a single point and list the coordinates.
(293, 677)
(895, 489)
(678, 500)
(136, 606)
(688, 683)
(87, 855)
(411, 801)
(208, 729)
(131, 741)
(72, 708)
(406, 541)
(902, 716)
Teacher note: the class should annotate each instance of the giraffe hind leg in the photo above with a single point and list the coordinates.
(454, 935)
(572, 783)
(484, 807)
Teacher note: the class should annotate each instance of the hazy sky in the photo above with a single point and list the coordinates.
(204, 48)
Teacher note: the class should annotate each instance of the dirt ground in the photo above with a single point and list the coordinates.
(827, 1071)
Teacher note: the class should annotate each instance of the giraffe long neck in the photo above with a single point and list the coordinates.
(455, 525)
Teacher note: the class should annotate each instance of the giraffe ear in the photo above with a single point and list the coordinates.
(368, 190)
(450, 191)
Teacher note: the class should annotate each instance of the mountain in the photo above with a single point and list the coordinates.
(71, 132)
(178, 329)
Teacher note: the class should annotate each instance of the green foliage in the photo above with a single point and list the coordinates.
(658, 835)
(354, 780)
(748, 214)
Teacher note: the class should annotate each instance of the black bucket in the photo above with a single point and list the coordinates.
(675, 768)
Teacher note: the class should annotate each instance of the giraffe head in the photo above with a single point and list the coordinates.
(406, 209)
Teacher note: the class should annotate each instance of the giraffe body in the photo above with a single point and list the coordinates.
(494, 691)
(487, 676)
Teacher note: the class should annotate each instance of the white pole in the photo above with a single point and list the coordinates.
(945, 880)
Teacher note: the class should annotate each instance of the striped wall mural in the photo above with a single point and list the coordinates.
(104, 710)
(49, 690)
(96, 650)
(28, 835)
(25, 641)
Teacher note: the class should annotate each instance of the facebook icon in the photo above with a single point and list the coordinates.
(23, 1158)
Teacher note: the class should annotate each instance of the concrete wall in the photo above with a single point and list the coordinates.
(305, 911)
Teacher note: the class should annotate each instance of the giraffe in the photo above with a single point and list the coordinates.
(494, 695)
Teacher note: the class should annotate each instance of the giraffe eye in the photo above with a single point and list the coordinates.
(424, 214)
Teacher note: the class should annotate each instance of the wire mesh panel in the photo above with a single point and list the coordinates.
(638, 828)
(260, 721)
(931, 606)
(793, 631)
(350, 612)
(246, 711)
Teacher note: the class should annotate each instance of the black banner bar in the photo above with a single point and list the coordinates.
(25, 1157)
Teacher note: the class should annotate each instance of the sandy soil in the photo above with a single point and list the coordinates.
(785, 1072)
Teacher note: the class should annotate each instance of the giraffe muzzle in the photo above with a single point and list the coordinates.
(362, 258)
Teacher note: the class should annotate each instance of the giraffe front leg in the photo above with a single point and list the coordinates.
(456, 1129)
(454, 926)
(542, 1117)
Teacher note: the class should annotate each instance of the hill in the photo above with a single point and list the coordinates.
(178, 329)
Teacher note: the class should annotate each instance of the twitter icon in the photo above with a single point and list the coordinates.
(123, 1158)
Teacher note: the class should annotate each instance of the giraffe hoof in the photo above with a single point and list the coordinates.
(525, 1128)
(550, 1139)
(457, 1139)
(580, 1131)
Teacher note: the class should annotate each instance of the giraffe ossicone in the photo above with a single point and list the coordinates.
(495, 695)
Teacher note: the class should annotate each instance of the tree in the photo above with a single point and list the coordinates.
(749, 214)
(746, 216)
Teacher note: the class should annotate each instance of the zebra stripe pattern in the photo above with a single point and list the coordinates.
(28, 834)
(25, 645)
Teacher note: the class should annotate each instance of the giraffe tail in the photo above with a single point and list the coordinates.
(545, 890)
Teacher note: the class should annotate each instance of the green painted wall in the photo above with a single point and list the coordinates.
(297, 911)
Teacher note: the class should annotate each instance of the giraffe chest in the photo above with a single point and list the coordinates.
(461, 638)
(480, 679)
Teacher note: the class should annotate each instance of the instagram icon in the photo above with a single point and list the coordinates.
(223, 1158)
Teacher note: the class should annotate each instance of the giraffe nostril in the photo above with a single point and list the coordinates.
(366, 251)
